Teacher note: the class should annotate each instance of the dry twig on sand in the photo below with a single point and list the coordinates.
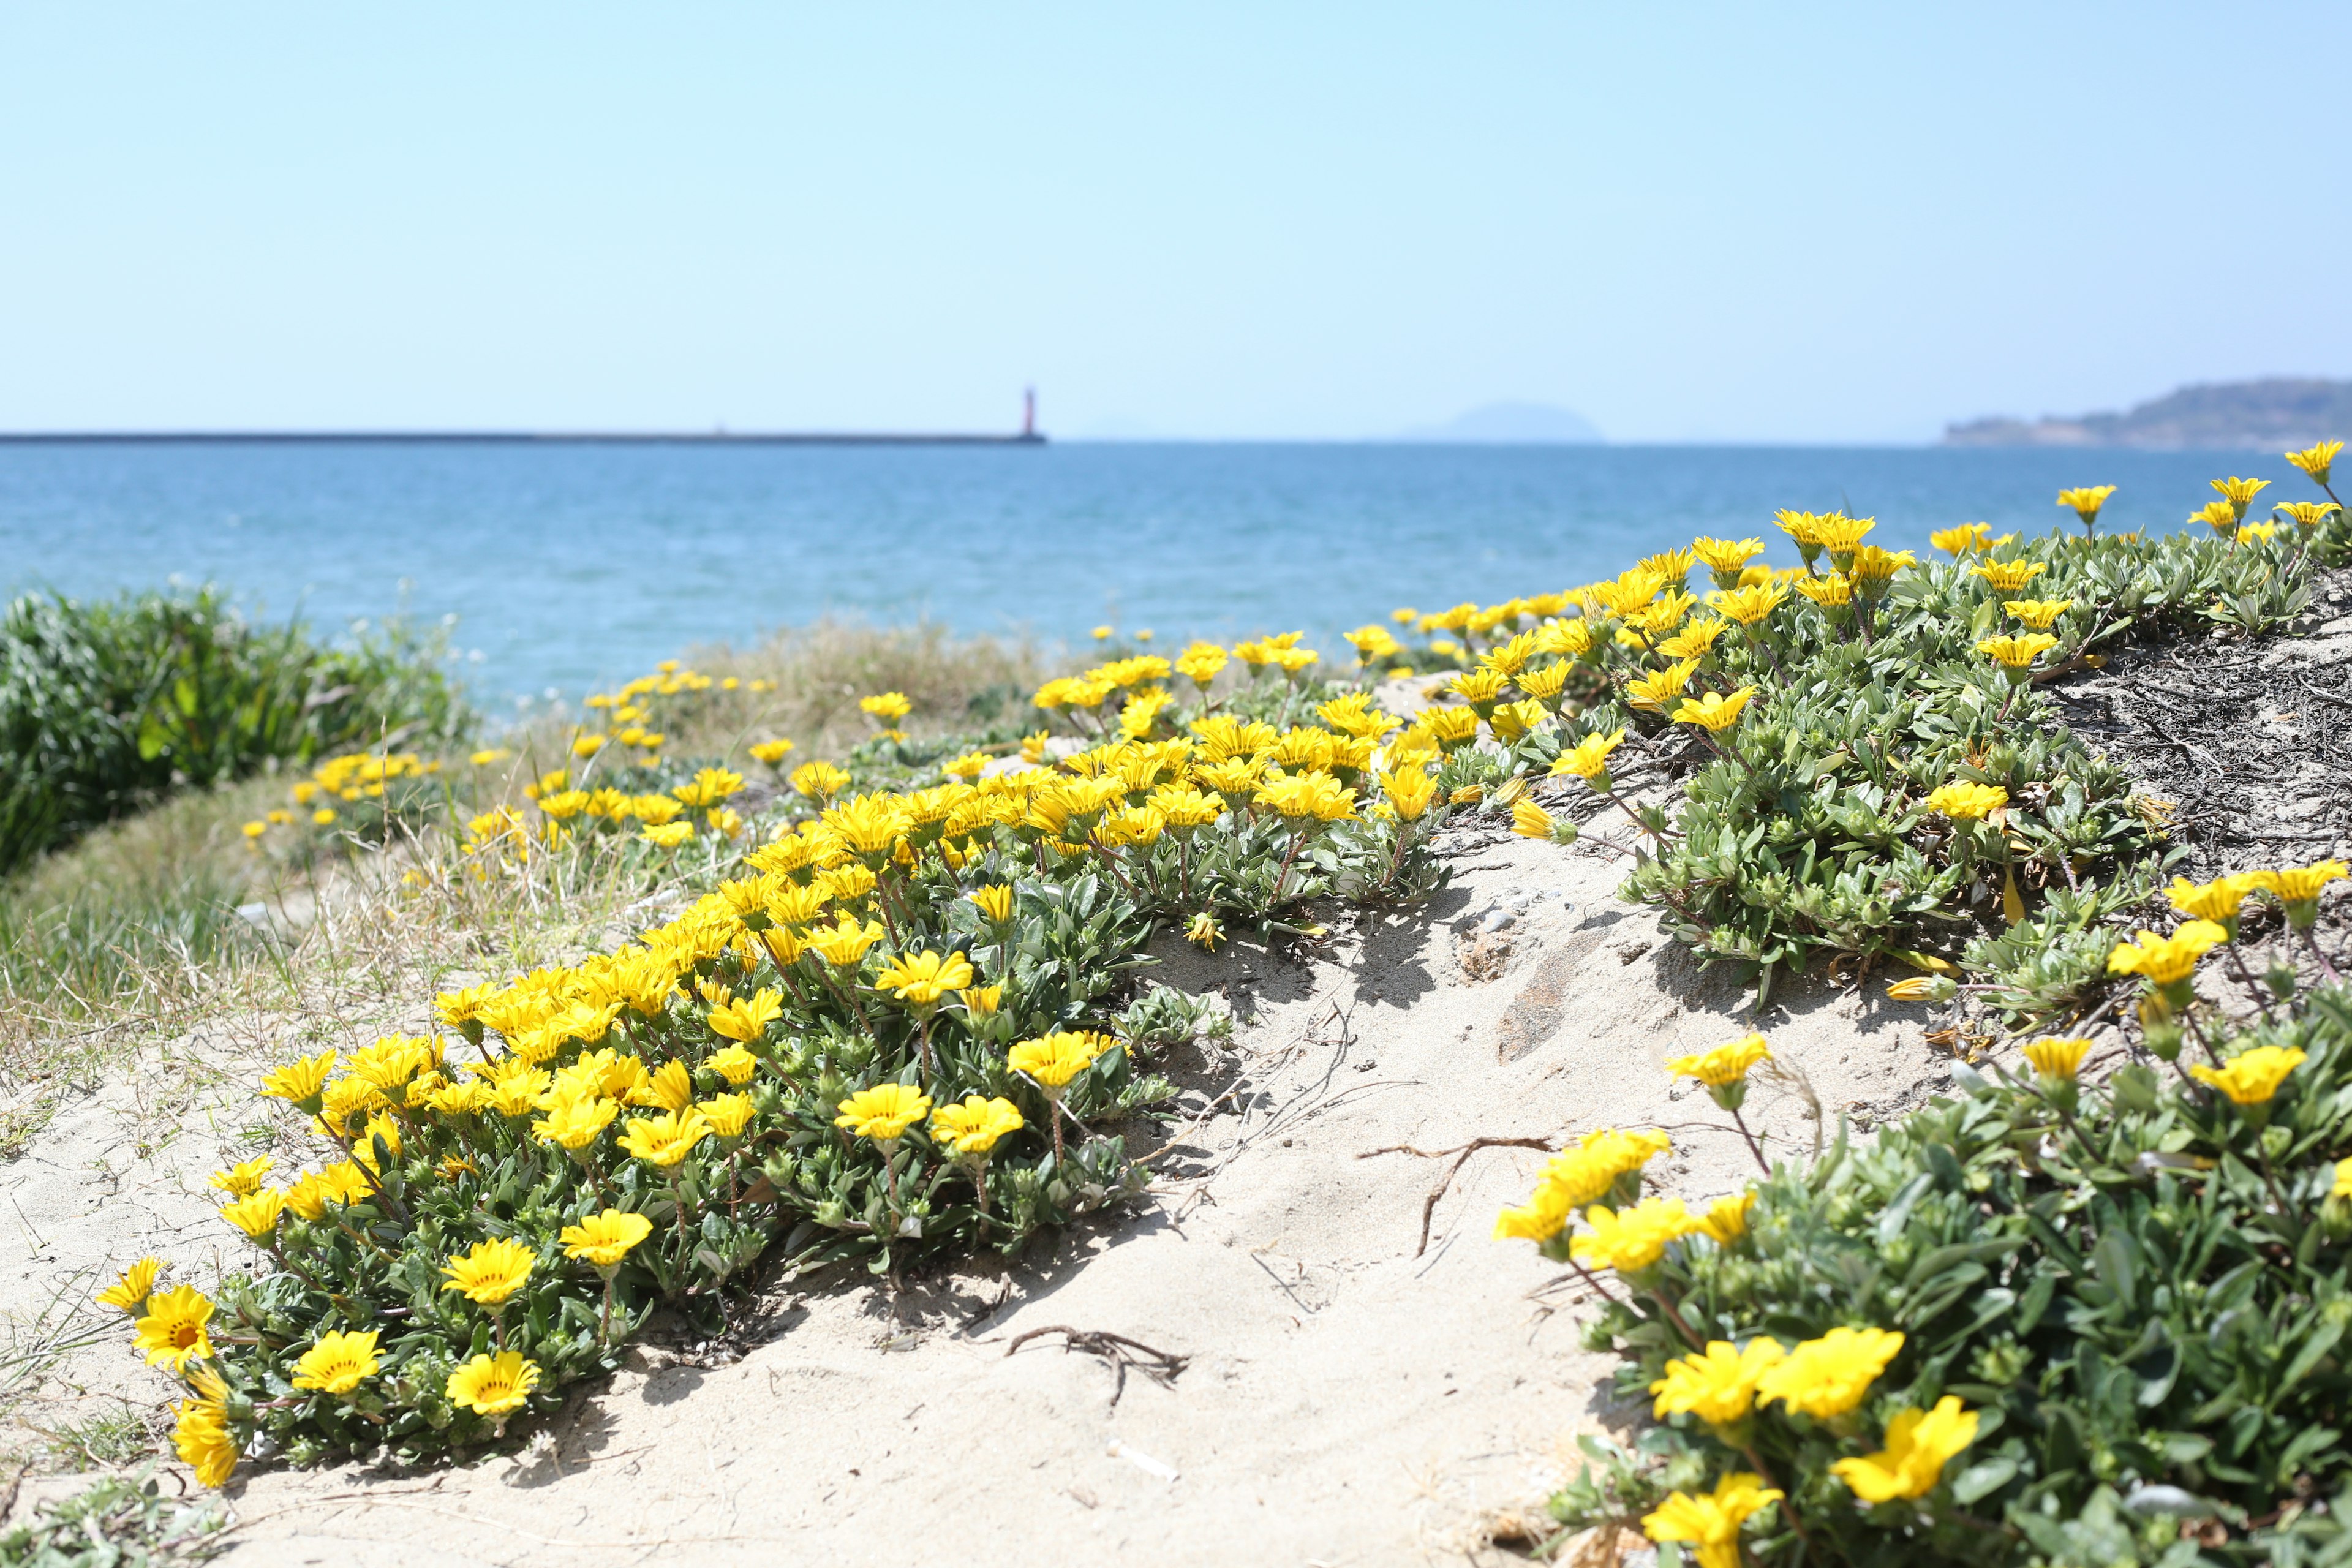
(1120, 1350)
(1462, 1156)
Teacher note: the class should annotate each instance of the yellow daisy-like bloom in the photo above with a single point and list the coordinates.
(489, 1271)
(1830, 1376)
(979, 1001)
(1654, 690)
(1726, 1219)
(601, 1240)
(974, 1128)
(2010, 576)
(667, 835)
(889, 705)
(995, 902)
(1717, 1386)
(734, 1064)
(2218, 515)
(1695, 640)
(1840, 535)
(2239, 493)
(1872, 564)
(1053, 1060)
(243, 1179)
(1727, 554)
(1965, 802)
(1530, 820)
(1312, 795)
(920, 979)
(666, 1139)
(2218, 900)
(2342, 1187)
(1724, 1064)
(301, 1080)
(338, 1363)
(1962, 540)
(2166, 960)
(770, 751)
(728, 1114)
(1710, 1521)
(2038, 614)
(1831, 590)
(1715, 711)
(1588, 758)
(1201, 662)
(2302, 884)
(130, 1292)
(2017, 652)
(493, 1385)
(2057, 1058)
(578, 1122)
(818, 781)
(1801, 526)
(2086, 501)
(1409, 793)
(845, 945)
(173, 1332)
(2316, 459)
(200, 1438)
(256, 1213)
(883, 1112)
(1749, 604)
(749, 1020)
(1633, 1240)
(1919, 1444)
(2251, 1078)
(669, 1087)
(1545, 1215)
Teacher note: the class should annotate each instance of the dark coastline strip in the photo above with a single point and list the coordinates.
(506, 438)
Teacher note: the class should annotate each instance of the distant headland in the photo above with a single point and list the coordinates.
(2282, 412)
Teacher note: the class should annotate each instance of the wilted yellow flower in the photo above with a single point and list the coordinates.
(601, 1240)
(2057, 1058)
(129, 1293)
(493, 1385)
(1919, 1444)
(2166, 960)
(1710, 1521)
(340, 1362)
(1830, 1376)
(1965, 802)
(1718, 1385)
(173, 1331)
(1204, 931)
(883, 1112)
(2251, 1078)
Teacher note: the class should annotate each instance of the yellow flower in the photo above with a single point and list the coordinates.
(2017, 652)
(493, 1385)
(2057, 1058)
(576, 1123)
(601, 1240)
(1830, 1376)
(1961, 540)
(883, 1112)
(173, 1332)
(2010, 576)
(130, 1292)
(1201, 662)
(1588, 758)
(2166, 960)
(734, 1064)
(1727, 554)
(257, 1214)
(488, 756)
(1715, 712)
(2316, 459)
(667, 835)
(1717, 1386)
(324, 816)
(1711, 1521)
(2239, 493)
(490, 1272)
(244, 1179)
(1872, 564)
(818, 781)
(2302, 884)
(2306, 514)
(1634, 1239)
(2038, 614)
(844, 945)
(1654, 690)
(1919, 1444)
(2342, 1187)
(1964, 802)
(301, 1080)
(979, 1001)
(2251, 1078)
(891, 706)
(1545, 1215)
(338, 1363)
(1830, 591)
(2256, 532)
(974, 1128)
(2218, 900)
(1747, 605)
(669, 1087)
(666, 1139)
(1530, 820)
(202, 1440)
(1726, 1219)
(1918, 988)
(770, 751)
(747, 1020)
(2086, 501)
(1053, 1060)
(1840, 535)
(921, 979)
(2218, 515)
(1204, 931)
(1309, 794)
(728, 1114)
(1724, 1064)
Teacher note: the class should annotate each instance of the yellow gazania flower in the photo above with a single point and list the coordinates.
(770, 751)
(1530, 820)
(979, 1001)
(1695, 640)
(257, 1214)
(493, 1385)
(300, 1081)
(1801, 526)
(1717, 1386)
(2218, 900)
(489, 1271)
(1201, 663)
(2256, 532)
(1409, 792)
(2251, 1078)
(173, 1332)
(1749, 604)
(1961, 540)
(1872, 564)
(1656, 690)
(1204, 931)
(2057, 1058)
(1919, 1444)
(2306, 514)
(2218, 515)
(1311, 795)
(1726, 1220)
(338, 1363)
(2017, 652)
(669, 1087)
(1727, 554)
(844, 945)
(818, 781)
(728, 1114)
(1543, 1215)
(601, 1240)
(2342, 1187)
(888, 705)
(2010, 576)
(1633, 1240)
(1184, 806)
(243, 1179)
(1715, 711)
(2166, 960)
(2316, 459)
(2302, 884)
(130, 1292)
(975, 1127)
(1831, 590)
(2086, 501)
(1965, 802)
(1053, 1060)
(1830, 1376)
(667, 835)
(2038, 614)
(666, 1139)
(1725, 1064)
(1840, 535)
(2239, 493)
(883, 1112)
(747, 1020)
(995, 902)
(920, 979)
(1711, 1520)
(1588, 758)
(202, 1440)
(576, 1123)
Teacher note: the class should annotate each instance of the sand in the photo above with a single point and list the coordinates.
(1345, 1399)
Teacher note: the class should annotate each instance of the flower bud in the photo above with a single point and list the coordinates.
(2158, 1027)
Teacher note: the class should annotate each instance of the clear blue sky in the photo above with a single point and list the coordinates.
(1795, 223)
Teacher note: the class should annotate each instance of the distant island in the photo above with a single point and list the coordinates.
(1512, 424)
(2282, 412)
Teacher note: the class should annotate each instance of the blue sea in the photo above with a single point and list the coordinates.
(561, 568)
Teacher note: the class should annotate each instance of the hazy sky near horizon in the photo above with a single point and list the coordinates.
(1809, 223)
